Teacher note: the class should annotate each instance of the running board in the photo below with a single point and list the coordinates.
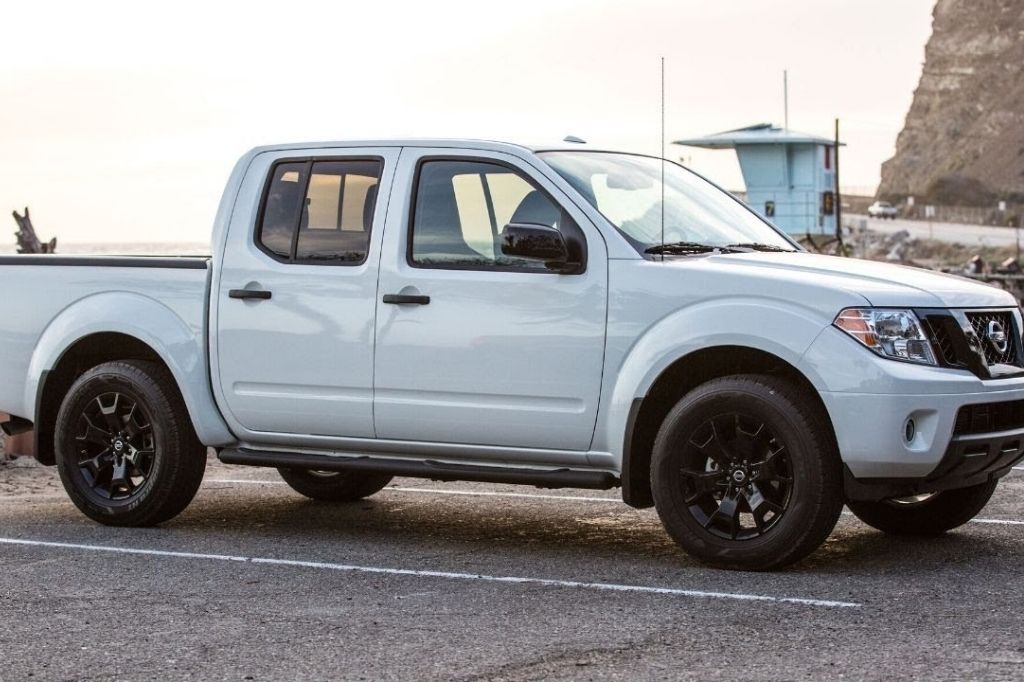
(437, 471)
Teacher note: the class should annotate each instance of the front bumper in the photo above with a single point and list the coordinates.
(871, 400)
(969, 459)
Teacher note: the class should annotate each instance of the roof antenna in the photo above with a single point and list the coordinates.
(662, 158)
(573, 139)
(785, 99)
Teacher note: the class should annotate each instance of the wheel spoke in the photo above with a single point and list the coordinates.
(139, 460)
(134, 424)
(768, 470)
(120, 479)
(760, 506)
(727, 514)
(714, 447)
(94, 434)
(96, 465)
(702, 483)
(725, 426)
(109, 412)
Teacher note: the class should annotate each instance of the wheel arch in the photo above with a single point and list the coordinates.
(84, 336)
(648, 411)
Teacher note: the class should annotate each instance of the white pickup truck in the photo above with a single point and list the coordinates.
(465, 310)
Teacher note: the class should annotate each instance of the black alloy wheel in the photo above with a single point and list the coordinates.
(116, 446)
(745, 472)
(125, 446)
(736, 475)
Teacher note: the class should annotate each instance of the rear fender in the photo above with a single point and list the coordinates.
(179, 345)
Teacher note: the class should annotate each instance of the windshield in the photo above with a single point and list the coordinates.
(627, 190)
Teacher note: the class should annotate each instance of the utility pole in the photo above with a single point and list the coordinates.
(838, 196)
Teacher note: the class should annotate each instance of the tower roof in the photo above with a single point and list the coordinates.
(761, 133)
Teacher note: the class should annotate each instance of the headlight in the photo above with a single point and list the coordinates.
(893, 334)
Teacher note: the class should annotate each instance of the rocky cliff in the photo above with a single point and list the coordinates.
(963, 140)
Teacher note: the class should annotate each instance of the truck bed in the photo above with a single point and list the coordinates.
(41, 291)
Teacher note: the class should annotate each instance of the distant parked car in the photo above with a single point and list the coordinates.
(883, 209)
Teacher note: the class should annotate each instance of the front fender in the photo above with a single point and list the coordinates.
(783, 329)
(180, 345)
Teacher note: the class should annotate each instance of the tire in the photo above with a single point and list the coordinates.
(334, 486)
(933, 515)
(126, 450)
(745, 473)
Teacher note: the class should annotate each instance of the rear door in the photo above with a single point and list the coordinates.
(296, 298)
(505, 353)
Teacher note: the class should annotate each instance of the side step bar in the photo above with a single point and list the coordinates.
(437, 471)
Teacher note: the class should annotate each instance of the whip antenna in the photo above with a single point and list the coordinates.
(785, 99)
(662, 158)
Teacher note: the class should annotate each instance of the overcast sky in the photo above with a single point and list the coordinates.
(119, 121)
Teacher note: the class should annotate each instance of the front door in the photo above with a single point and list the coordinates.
(296, 298)
(505, 352)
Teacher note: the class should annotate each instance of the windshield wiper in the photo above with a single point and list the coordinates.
(683, 248)
(754, 246)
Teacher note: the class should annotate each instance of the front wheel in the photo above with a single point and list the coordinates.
(126, 451)
(745, 474)
(334, 486)
(929, 514)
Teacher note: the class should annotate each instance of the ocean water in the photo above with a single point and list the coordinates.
(123, 248)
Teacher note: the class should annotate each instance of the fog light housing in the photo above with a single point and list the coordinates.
(909, 431)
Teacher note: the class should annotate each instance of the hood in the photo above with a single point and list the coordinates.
(882, 284)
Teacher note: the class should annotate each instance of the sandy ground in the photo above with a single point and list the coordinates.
(24, 478)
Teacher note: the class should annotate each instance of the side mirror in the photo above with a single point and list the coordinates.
(537, 242)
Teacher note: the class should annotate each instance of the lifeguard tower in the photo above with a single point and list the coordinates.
(790, 176)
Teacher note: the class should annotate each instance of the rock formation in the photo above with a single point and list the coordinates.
(963, 140)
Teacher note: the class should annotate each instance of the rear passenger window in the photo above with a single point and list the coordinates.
(281, 209)
(321, 212)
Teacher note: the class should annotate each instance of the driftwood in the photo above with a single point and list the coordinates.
(28, 241)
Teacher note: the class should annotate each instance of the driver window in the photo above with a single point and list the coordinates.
(461, 208)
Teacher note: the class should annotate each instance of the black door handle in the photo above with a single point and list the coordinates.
(406, 299)
(250, 294)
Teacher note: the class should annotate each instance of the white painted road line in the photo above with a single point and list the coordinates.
(443, 575)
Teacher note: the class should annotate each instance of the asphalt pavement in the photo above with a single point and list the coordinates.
(959, 233)
(431, 581)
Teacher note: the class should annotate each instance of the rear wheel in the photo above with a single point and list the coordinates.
(126, 451)
(745, 475)
(929, 514)
(334, 486)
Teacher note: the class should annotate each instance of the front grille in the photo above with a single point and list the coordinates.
(943, 342)
(963, 339)
(981, 322)
(989, 417)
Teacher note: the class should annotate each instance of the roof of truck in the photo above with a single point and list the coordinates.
(440, 142)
